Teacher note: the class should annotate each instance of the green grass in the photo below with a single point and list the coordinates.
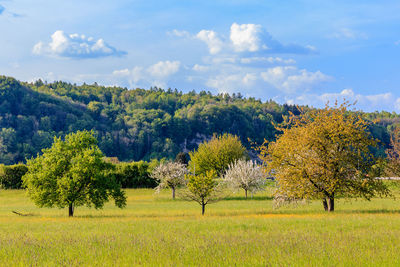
(156, 231)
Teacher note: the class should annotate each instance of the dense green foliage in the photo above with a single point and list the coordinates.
(72, 173)
(130, 124)
(137, 124)
(217, 154)
(134, 175)
(11, 176)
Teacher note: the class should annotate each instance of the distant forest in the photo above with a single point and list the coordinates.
(139, 124)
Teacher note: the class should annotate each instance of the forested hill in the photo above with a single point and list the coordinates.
(136, 124)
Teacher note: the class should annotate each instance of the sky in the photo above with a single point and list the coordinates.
(305, 52)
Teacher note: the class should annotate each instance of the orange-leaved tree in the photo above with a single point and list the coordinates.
(324, 154)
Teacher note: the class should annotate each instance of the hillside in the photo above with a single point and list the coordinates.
(137, 124)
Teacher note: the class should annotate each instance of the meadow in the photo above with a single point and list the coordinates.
(154, 230)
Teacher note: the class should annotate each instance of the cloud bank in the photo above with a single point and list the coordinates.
(373, 102)
(157, 74)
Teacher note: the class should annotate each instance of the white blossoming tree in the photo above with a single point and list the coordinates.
(169, 175)
(246, 175)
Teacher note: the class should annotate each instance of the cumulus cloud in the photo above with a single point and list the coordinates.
(212, 40)
(164, 69)
(244, 38)
(290, 78)
(75, 46)
(254, 38)
(248, 37)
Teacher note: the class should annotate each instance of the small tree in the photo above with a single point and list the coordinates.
(246, 175)
(323, 154)
(202, 188)
(169, 175)
(216, 154)
(72, 173)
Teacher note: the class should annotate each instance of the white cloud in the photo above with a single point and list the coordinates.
(154, 75)
(271, 60)
(212, 40)
(164, 69)
(230, 83)
(179, 33)
(124, 72)
(290, 78)
(346, 34)
(245, 40)
(200, 68)
(247, 37)
(75, 46)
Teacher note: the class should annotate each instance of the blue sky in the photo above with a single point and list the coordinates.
(301, 52)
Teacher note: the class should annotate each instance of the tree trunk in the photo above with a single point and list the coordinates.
(71, 210)
(325, 204)
(331, 204)
(173, 192)
(203, 207)
(245, 192)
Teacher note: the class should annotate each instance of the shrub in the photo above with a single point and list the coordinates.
(134, 175)
(11, 176)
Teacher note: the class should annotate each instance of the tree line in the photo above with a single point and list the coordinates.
(320, 154)
(138, 124)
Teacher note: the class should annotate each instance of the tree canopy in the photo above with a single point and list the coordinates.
(322, 154)
(169, 175)
(216, 154)
(202, 188)
(246, 175)
(72, 173)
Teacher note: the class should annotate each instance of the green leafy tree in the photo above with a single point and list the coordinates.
(72, 173)
(203, 188)
(216, 154)
(324, 154)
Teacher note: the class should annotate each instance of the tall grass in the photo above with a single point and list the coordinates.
(156, 231)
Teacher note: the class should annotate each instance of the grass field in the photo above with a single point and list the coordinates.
(156, 231)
